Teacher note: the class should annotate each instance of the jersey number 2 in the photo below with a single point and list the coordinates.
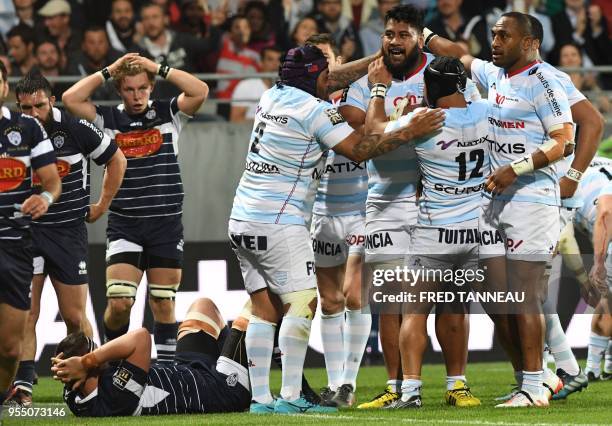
(259, 131)
(475, 155)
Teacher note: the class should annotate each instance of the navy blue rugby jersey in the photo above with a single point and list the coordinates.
(24, 147)
(75, 141)
(152, 185)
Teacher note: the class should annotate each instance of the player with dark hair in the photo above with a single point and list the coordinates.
(60, 237)
(530, 124)
(209, 374)
(25, 152)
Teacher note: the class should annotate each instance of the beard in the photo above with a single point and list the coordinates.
(398, 71)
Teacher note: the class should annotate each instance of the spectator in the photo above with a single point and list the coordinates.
(247, 93)
(56, 14)
(235, 57)
(343, 31)
(585, 27)
(305, 28)
(370, 31)
(262, 34)
(192, 20)
(174, 49)
(571, 56)
(7, 16)
(96, 53)
(20, 40)
(48, 59)
(25, 12)
(358, 11)
(293, 11)
(120, 27)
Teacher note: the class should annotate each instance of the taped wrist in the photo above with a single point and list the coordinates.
(379, 90)
(428, 35)
(574, 174)
(90, 361)
(522, 165)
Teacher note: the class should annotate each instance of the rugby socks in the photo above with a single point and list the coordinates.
(608, 363)
(533, 382)
(597, 346)
(24, 379)
(259, 342)
(394, 385)
(356, 334)
(113, 334)
(332, 331)
(293, 341)
(410, 388)
(165, 341)
(450, 381)
(559, 346)
(276, 357)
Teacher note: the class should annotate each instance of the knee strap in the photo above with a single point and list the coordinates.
(121, 288)
(196, 321)
(299, 302)
(163, 291)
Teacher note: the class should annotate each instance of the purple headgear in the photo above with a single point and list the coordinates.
(301, 68)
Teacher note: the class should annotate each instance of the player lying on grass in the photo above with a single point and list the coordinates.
(117, 379)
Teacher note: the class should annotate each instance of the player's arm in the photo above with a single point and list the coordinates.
(591, 126)
(354, 116)
(37, 205)
(238, 114)
(134, 347)
(602, 233)
(113, 176)
(194, 91)
(441, 46)
(77, 97)
(376, 118)
(360, 148)
(340, 76)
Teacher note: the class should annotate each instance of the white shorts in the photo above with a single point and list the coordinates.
(388, 229)
(449, 247)
(278, 257)
(518, 230)
(334, 238)
(566, 215)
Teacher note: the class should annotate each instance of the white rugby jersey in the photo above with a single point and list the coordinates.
(453, 164)
(291, 131)
(523, 105)
(595, 182)
(343, 186)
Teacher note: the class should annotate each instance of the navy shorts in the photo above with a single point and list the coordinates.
(61, 252)
(16, 276)
(157, 242)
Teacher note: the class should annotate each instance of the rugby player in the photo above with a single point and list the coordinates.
(337, 231)
(25, 151)
(209, 374)
(530, 124)
(391, 208)
(60, 236)
(145, 230)
(293, 126)
(452, 164)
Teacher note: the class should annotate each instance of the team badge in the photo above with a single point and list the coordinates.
(121, 378)
(150, 115)
(334, 116)
(14, 137)
(232, 379)
(58, 141)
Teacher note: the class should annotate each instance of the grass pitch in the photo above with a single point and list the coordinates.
(487, 380)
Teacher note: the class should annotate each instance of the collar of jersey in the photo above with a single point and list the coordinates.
(418, 69)
(57, 115)
(523, 69)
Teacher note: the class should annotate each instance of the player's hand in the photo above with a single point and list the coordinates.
(500, 179)
(69, 370)
(378, 73)
(567, 187)
(112, 68)
(95, 212)
(145, 63)
(590, 293)
(35, 205)
(598, 277)
(425, 121)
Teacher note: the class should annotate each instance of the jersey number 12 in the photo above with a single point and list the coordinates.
(475, 155)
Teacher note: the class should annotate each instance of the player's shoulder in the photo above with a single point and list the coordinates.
(360, 84)
(544, 74)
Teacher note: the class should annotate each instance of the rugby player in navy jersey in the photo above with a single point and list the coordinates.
(209, 374)
(60, 237)
(24, 147)
(145, 230)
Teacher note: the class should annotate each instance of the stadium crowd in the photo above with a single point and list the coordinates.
(413, 168)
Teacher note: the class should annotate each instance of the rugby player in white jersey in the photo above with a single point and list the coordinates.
(392, 180)
(530, 125)
(293, 126)
(452, 164)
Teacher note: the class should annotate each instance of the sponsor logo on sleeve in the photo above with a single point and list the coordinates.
(334, 116)
(121, 378)
(92, 127)
(553, 104)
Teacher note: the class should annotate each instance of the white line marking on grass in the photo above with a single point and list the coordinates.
(432, 421)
